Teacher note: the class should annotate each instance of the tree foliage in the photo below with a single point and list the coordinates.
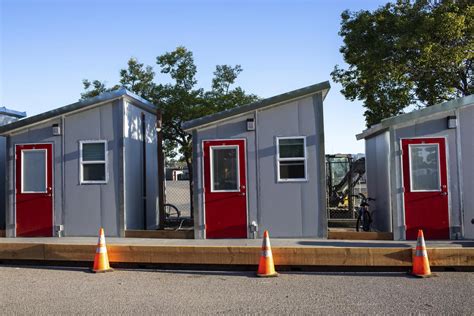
(407, 53)
(179, 99)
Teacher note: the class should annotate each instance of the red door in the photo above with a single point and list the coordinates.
(425, 187)
(225, 189)
(34, 201)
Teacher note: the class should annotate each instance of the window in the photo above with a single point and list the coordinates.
(225, 169)
(93, 162)
(291, 158)
(424, 167)
(33, 171)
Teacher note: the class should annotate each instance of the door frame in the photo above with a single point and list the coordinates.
(448, 178)
(204, 184)
(52, 184)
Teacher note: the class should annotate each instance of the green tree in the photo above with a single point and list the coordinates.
(179, 99)
(407, 53)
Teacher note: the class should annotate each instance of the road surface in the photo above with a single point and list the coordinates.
(48, 290)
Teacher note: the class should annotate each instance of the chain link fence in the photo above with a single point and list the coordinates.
(177, 191)
(345, 178)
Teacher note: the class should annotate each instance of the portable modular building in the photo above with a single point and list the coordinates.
(83, 166)
(261, 166)
(420, 171)
(6, 116)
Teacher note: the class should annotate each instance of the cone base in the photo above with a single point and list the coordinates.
(275, 274)
(424, 276)
(102, 271)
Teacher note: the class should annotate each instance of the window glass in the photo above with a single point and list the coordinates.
(291, 158)
(291, 148)
(292, 169)
(93, 163)
(93, 172)
(225, 169)
(424, 168)
(93, 151)
(34, 171)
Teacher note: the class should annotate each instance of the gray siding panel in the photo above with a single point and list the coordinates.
(133, 143)
(290, 209)
(466, 126)
(378, 180)
(91, 206)
(4, 119)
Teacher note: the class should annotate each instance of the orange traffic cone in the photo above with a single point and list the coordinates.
(421, 265)
(266, 268)
(101, 260)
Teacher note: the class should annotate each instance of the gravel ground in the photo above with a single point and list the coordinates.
(48, 290)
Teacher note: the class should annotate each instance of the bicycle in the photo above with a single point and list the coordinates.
(169, 210)
(364, 219)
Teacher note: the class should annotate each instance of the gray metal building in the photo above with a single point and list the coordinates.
(82, 166)
(420, 171)
(261, 166)
(6, 116)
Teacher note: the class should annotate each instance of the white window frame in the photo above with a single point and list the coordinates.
(411, 169)
(23, 170)
(304, 159)
(82, 163)
(211, 157)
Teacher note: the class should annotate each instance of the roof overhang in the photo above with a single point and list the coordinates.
(78, 106)
(427, 112)
(322, 87)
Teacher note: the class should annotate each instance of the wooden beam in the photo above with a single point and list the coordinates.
(237, 255)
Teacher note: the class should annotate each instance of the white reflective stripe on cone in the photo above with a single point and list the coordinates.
(421, 242)
(266, 243)
(267, 253)
(101, 250)
(421, 253)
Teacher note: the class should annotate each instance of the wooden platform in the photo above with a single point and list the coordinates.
(236, 255)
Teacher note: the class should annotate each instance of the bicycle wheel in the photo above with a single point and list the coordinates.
(170, 210)
(358, 223)
(366, 220)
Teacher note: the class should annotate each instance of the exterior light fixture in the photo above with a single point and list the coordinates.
(250, 124)
(56, 130)
(452, 122)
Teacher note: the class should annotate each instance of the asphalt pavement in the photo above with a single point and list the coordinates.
(53, 290)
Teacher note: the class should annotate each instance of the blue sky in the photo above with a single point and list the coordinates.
(49, 46)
